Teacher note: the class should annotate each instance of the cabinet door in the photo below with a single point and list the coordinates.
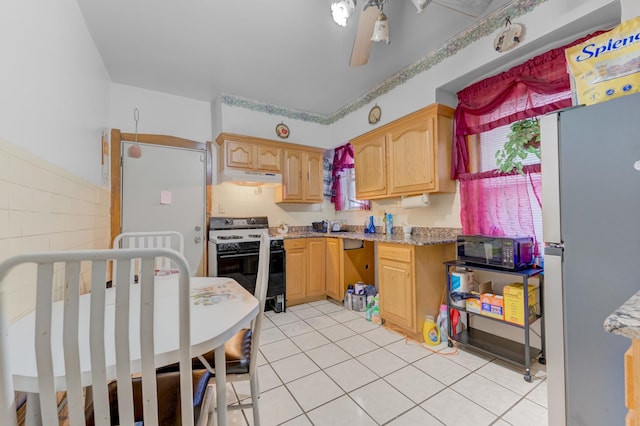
(239, 155)
(268, 158)
(316, 262)
(313, 178)
(292, 179)
(397, 302)
(296, 273)
(370, 166)
(333, 270)
(412, 162)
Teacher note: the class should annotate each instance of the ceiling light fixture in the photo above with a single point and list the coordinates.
(421, 5)
(381, 29)
(342, 10)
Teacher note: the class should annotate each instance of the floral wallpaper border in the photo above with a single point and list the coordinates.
(481, 29)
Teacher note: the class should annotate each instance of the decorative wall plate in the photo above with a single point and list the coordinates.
(374, 114)
(509, 37)
(282, 130)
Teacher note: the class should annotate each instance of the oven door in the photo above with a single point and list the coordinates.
(243, 267)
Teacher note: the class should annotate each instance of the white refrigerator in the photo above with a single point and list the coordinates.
(591, 226)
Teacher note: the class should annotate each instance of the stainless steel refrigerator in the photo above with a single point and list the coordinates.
(591, 226)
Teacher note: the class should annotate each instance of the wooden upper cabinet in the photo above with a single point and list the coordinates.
(313, 185)
(369, 154)
(292, 179)
(268, 158)
(249, 153)
(407, 156)
(300, 165)
(239, 155)
(302, 177)
(412, 158)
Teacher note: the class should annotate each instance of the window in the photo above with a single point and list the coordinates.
(498, 203)
(343, 189)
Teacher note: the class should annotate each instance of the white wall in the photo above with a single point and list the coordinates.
(54, 104)
(55, 90)
(247, 122)
(630, 9)
(160, 113)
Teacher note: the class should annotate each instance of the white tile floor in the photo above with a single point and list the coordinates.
(321, 364)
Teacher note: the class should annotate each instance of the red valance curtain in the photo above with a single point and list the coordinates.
(536, 87)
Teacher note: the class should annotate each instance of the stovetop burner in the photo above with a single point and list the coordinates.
(237, 229)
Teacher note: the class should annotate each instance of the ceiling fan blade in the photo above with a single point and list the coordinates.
(473, 8)
(362, 43)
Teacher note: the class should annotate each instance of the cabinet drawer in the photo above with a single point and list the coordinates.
(399, 252)
(298, 243)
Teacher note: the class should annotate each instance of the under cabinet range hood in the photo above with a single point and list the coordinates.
(250, 178)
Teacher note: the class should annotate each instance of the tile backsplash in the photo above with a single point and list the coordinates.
(43, 208)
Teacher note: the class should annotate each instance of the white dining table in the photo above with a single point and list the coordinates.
(220, 307)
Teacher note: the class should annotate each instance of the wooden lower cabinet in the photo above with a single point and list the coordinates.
(397, 295)
(632, 383)
(334, 268)
(411, 282)
(305, 270)
(316, 259)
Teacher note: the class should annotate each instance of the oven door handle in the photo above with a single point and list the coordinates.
(230, 256)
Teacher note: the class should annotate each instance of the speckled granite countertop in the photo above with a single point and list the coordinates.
(419, 237)
(625, 321)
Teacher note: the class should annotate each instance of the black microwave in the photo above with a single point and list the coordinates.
(501, 252)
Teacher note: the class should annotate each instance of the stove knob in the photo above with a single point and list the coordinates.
(252, 221)
(227, 221)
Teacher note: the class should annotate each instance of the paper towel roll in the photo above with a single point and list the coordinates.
(416, 201)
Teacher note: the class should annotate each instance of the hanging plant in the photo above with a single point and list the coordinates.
(524, 139)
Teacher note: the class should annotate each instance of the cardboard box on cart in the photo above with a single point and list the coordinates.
(514, 309)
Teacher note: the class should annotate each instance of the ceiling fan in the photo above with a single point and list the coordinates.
(373, 24)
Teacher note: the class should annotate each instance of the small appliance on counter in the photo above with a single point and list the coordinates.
(512, 253)
(319, 226)
(328, 226)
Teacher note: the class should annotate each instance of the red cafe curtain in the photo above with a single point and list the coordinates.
(501, 204)
(538, 86)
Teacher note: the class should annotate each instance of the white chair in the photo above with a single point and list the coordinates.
(78, 367)
(242, 350)
(152, 239)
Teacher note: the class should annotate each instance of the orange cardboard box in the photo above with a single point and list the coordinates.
(492, 305)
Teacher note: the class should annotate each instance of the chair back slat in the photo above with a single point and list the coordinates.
(147, 343)
(70, 342)
(186, 386)
(99, 382)
(123, 349)
(44, 360)
(152, 239)
(262, 284)
(73, 305)
(7, 397)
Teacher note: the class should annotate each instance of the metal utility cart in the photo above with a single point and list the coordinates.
(497, 346)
